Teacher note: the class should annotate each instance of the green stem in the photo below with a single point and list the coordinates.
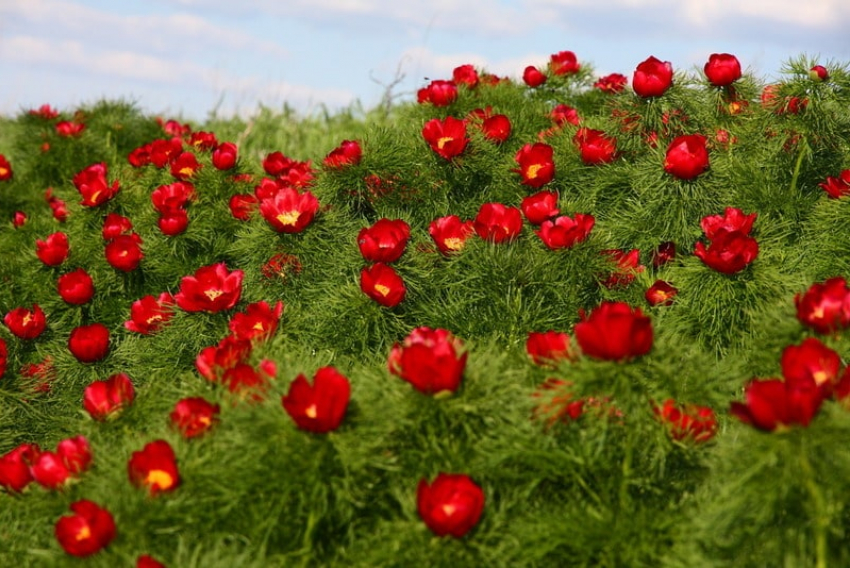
(821, 523)
(803, 148)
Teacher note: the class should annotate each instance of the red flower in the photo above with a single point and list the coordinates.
(213, 362)
(154, 467)
(824, 307)
(439, 93)
(76, 287)
(15, 472)
(54, 470)
(289, 211)
(818, 73)
(540, 207)
(5, 168)
(664, 253)
(212, 289)
(147, 561)
(67, 128)
(164, 152)
(722, 69)
(450, 233)
(174, 223)
(25, 323)
(242, 205)
(733, 219)
(564, 114)
(348, 153)
(812, 360)
(115, 225)
(224, 156)
(465, 75)
(93, 187)
(451, 505)
(728, 252)
(149, 314)
(383, 284)
(535, 164)
(497, 222)
(595, 147)
(687, 156)
(533, 77)
(612, 83)
(321, 407)
(565, 232)
(446, 137)
(547, 348)
(54, 250)
(432, 360)
(773, 403)
(687, 422)
(837, 187)
(45, 112)
(140, 157)
(184, 166)
(495, 127)
(384, 241)
(203, 140)
(652, 77)
(57, 206)
(276, 163)
(614, 331)
(19, 219)
(89, 343)
(661, 293)
(564, 63)
(258, 322)
(627, 266)
(85, 532)
(104, 400)
(124, 252)
(282, 265)
(39, 375)
(248, 382)
(174, 197)
(194, 416)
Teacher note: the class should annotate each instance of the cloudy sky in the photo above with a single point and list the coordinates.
(188, 57)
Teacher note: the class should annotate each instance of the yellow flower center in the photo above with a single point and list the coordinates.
(441, 142)
(259, 326)
(153, 318)
(382, 290)
(310, 411)
(532, 170)
(820, 377)
(159, 479)
(27, 319)
(449, 509)
(453, 243)
(83, 534)
(289, 218)
(213, 294)
(187, 171)
(3, 171)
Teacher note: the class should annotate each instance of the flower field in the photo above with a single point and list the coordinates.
(552, 320)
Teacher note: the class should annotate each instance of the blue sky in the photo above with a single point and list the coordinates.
(187, 57)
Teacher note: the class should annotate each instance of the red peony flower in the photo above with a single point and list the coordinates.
(687, 422)
(224, 156)
(85, 532)
(54, 250)
(446, 137)
(450, 233)
(115, 225)
(465, 75)
(348, 153)
(54, 470)
(184, 166)
(498, 223)
(45, 112)
(564, 63)
(124, 252)
(565, 232)
(89, 343)
(818, 73)
(104, 400)
(661, 293)
(627, 267)
(773, 403)
(564, 114)
(154, 468)
(321, 407)
(824, 307)
(664, 253)
(432, 360)
(384, 241)
(58, 207)
(728, 252)
(614, 331)
(5, 168)
(595, 147)
(212, 289)
(165, 151)
(247, 382)
(612, 83)
(496, 128)
(39, 376)
(148, 561)
(837, 187)
(733, 219)
(93, 187)
(19, 219)
(548, 347)
(282, 265)
(203, 140)
(652, 78)
(243, 205)
(687, 156)
(535, 164)
(533, 77)
(439, 93)
(540, 207)
(722, 69)
(451, 505)
(812, 360)
(383, 284)
(149, 314)
(76, 287)
(213, 362)
(174, 197)
(68, 129)
(258, 322)
(289, 211)
(174, 223)
(15, 464)
(194, 416)
(25, 323)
